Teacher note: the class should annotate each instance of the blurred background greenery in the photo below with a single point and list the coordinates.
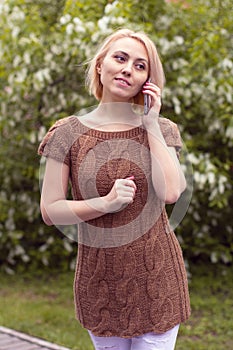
(44, 47)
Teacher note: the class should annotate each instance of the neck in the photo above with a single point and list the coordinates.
(118, 112)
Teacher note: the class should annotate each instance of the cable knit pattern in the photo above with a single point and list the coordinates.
(130, 277)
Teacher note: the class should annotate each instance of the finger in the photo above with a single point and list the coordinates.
(151, 87)
(152, 93)
(124, 183)
(127, 191)
(131, 183)
(127, 196)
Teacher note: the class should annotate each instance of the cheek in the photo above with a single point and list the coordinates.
(105, 78)
(141, 82)
(106, 71)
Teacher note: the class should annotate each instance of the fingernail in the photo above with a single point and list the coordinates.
(130, 178)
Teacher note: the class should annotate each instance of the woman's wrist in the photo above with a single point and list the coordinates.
(150, 121)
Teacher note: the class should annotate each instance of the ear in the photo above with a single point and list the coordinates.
(98, 69)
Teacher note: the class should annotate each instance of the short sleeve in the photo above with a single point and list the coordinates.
(56, 143)
(171, 134)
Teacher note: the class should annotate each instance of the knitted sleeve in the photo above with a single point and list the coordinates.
(171, 134)
(56, 143)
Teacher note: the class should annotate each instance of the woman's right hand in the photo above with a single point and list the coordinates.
(121, 194)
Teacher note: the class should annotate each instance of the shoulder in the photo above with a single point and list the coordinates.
(167, 123)
(170, 132)
(59, 134)
(63, 122)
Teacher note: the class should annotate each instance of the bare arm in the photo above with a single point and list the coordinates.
(167, 176)
(57, 210)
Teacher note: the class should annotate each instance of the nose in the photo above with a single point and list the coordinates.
(127, 69)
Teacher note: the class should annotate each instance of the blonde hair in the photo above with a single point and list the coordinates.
(156, 73)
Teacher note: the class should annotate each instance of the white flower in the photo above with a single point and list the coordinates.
(110, 7)
(179, 63)
(65, 19)
(16, 61)
(226, 64)
(34, 38)
(41, 132)
(48, 57)
(61, 98)
(56, 49)
(78, 21)
(193, 159)
(196, 89)
(27, 58)
(211, 178)
(19, 250)
(67, 245)
(32, 137)
(221, 183)
(39, 75)
(15, 31)
(164, 45)
(40, 78)
(90, 26)
(118, 20)
(214, 257)
(103, 23)
(50, 240)
(177, 105)
(179, 40)
(95, 37)
(215, 125)
(79, 28)
(17, 14)
(21, 76)
(4, 8)
(229, 132)
(69, 28)
(164, 21)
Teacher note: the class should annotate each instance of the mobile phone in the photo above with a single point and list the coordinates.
(147, 101)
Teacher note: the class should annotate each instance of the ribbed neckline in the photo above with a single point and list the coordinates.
(100, 134)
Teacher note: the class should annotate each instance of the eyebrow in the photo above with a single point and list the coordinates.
(127, 55)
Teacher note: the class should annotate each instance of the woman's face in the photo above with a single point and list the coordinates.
(123, 70)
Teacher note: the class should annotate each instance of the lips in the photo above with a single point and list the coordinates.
(123, 81)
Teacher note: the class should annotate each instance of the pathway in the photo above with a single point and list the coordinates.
(13, 340)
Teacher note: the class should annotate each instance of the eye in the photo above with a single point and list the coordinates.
(119, 58)
(140, 66)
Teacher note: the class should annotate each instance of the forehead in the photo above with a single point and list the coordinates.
(129, 45)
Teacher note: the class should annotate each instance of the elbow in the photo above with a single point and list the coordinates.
(47, 221)
(174, 194)
(172, 198)
(171, 195)
(45, 217)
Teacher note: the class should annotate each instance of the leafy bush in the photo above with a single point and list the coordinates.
(43, 48)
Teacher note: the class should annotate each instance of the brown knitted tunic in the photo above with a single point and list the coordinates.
(130, 277)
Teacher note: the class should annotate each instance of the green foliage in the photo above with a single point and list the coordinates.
(42, 306)
(43, 48)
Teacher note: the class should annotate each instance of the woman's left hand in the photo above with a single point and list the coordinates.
(154, 93)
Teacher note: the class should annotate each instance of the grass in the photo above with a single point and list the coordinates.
(43, 306)
(211, 325)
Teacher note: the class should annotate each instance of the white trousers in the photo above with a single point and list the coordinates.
(148, 341)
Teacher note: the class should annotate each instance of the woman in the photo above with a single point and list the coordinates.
(130, 285)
